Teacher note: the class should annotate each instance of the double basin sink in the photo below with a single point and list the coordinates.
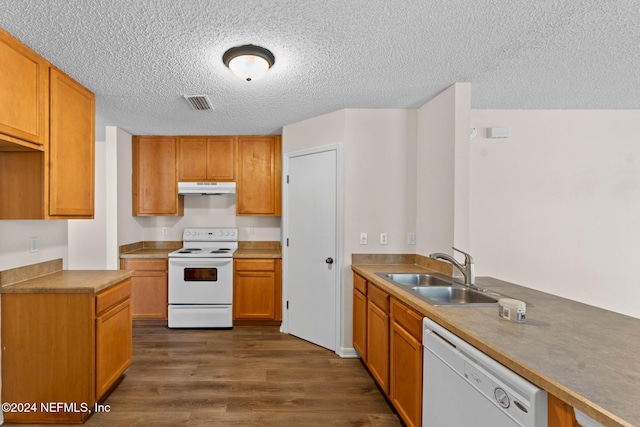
(441, 290)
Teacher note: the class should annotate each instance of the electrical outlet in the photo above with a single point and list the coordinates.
(165, 231)
(384, 238)
(363, 238)
(252, 231)
(33, 245)
(411, 238)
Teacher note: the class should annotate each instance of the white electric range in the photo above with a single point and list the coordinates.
(201, 278)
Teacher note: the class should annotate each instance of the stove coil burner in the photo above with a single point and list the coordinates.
(220, 251)
(190, 251)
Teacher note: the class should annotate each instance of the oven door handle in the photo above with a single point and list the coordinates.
(199, 263)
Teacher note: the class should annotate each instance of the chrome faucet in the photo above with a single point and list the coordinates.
(466, 269)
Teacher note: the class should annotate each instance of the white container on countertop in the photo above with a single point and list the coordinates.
(512, 310)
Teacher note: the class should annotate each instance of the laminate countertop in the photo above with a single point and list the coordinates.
(69, 281)
(584, 355)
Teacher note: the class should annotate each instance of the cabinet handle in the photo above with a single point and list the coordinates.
(329, 260)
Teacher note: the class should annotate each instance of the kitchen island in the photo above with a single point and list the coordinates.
(66, 340)
(583, 355)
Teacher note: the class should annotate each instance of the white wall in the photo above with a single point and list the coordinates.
(14, 242)
(87, 238)
(379, 181)
(556, 206)
(207, 211)
(442, 157)
(129, 229)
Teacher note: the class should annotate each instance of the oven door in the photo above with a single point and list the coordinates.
(200, 280)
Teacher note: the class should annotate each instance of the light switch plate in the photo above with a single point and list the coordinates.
(411, 238)
(363, 238)
(33, 245)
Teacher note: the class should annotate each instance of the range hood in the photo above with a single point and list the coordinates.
(206, 188)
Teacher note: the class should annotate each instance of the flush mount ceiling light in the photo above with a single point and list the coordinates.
(248, 62)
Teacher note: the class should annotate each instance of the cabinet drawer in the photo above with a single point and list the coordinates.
(113, 295)
(407, 318)
(379, 297)
(144, 264)
(360, 283)
(255, 264)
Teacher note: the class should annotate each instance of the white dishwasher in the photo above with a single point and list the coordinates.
(464, 387)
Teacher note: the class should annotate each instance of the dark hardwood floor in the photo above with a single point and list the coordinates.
(241, 377)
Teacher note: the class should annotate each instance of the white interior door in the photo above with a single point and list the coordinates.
(312, 264)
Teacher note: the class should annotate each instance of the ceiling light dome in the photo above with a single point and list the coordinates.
(248, 62)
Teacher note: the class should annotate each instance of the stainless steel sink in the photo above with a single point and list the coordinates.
(417, 279)
(453, 295)
(441, 290)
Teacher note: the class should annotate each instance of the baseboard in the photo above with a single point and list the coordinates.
(348, 353)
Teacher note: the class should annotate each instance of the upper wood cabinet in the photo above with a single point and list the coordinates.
(207, 158)
(259, 176)
(23, 86)
(155, 177)
(55, 181)
(71, 148)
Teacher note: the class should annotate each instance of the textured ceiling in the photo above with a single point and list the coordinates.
(141, 56)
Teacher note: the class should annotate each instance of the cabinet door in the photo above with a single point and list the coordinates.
(24, 87)
(207, 158)
(254, 295)
(149, 295)
(149, 289)
(192, 159)
(155, 177)
(360, 324)
(406, 375)
(259, 175)
(113, 346)
(71, 145)
(378, 345)
(221, 158)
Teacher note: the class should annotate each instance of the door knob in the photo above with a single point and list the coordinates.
(329, 260)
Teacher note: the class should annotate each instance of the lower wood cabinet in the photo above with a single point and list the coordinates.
(257, 292)
(378, 336)
(63, 347)
(149, 290)
(560, 413)
(406, 363)
(113, 336)
(360, 316)
(388, 336)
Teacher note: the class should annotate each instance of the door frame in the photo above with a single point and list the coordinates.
(338, 263)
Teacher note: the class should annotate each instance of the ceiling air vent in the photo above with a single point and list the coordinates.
(199, 102)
